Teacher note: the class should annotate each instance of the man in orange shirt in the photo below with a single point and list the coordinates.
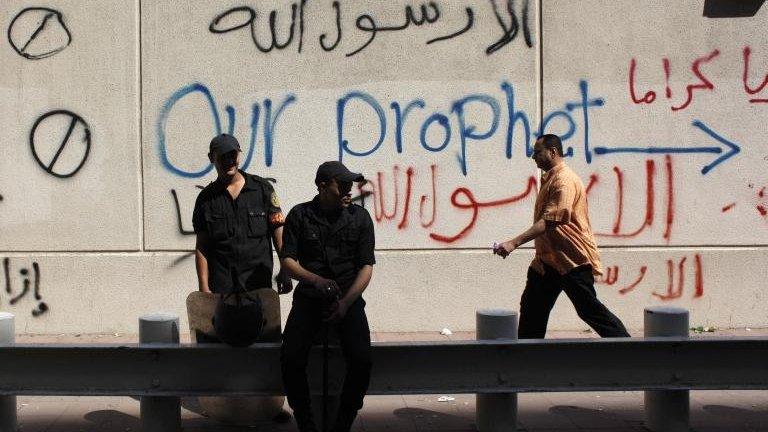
(566, 253)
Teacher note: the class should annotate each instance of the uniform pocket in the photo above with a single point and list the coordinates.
(257, 223)
(217, 225)
(349, 241)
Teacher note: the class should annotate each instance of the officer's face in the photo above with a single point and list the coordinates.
(226, 164)
(337, 192)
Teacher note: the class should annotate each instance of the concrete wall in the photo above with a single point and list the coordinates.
(108, 108)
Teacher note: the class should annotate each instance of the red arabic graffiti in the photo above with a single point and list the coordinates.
(475, 205)
(745, 79)
(650, 198)
(398, 206)
(702, 81)
(675, 279)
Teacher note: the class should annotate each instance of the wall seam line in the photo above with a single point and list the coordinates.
(142, 204)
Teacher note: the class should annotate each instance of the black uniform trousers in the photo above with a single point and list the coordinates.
(541, 292)
(304, 321)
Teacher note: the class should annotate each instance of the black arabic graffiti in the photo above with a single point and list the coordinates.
(33, 35)
(182, 231)
(426, 14)
(34, 284)
(510, 32)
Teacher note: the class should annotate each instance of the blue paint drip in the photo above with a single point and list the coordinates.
(231, 119)
(585, 104)
(255, 113)
(400, 120)
(514, 117)
(469, 131)
(269, 125)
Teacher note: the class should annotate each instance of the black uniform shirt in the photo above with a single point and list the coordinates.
(335, 250)
(239, 247)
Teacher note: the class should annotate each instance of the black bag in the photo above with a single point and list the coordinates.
(239, 318)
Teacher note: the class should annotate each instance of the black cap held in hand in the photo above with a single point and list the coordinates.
(336, 170)
(224, 144)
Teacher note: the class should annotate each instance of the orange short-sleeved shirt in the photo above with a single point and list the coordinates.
(562, 199)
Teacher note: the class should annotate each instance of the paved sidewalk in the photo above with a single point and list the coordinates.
(721, 411)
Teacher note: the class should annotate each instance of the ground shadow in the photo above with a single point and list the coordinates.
(747, 418)
(113, 420)
(590, 418)
(731, 8)
(434, 420)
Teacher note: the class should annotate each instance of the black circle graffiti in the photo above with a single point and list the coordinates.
(75, 121)
(23, 39)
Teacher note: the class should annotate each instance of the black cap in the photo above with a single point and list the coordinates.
(336, 170)
(224, 144)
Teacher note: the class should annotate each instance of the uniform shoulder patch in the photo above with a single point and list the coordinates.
(274, 200)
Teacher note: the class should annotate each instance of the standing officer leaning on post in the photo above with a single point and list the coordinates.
(566, 253)
(234, 218)
(328, 247)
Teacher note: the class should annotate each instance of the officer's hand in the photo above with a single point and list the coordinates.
(327, 288)
(284, 282)
(338, 311)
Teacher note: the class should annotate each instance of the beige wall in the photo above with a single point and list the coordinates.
(150, 83)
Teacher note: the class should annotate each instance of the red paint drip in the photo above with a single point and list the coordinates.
(593, 179)
(699, 277)
(762, 210)
(668, 91)
(745, 79)
(729, 207)
(634, 284)
(761, 194)
(620, 199)
(650, 172)
(423, 200)
(670, 199)
(409, 176)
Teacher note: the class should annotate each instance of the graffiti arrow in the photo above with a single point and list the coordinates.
(728, 150)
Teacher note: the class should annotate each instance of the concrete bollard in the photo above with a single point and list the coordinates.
(666, 410)
(8, 419)
(496, 412)
(160, 413)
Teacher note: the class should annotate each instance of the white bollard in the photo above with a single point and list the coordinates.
(160, 413)
(8, 419)
(496, 412)
(666, 410)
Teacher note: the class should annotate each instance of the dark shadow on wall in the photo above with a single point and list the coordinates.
(731, 8)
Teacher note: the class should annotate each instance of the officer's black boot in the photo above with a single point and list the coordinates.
(344, 420)
(304, 421)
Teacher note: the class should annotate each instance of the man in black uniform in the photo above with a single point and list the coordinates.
(235, 218)
(328, 247)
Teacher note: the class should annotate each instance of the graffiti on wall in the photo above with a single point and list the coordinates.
(60, 140)
(29, 286)
(753, 84)
(676, 278)
(511, 20)
(70, 152)
(36, 33)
